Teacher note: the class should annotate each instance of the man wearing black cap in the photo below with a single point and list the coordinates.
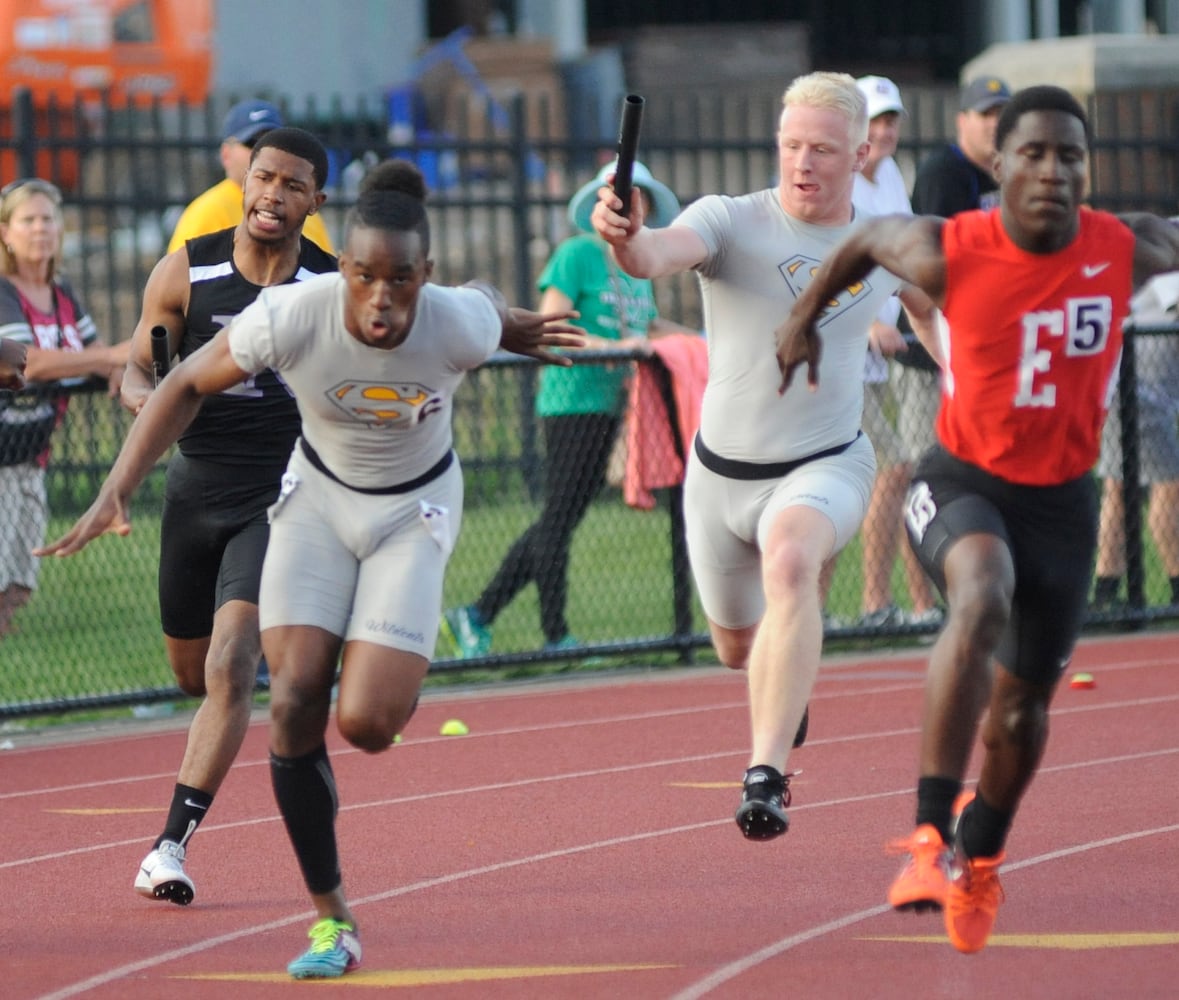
(953, 179)
(220, 207)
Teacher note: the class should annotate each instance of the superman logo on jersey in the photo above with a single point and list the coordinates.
(382, 403)
(799, 271)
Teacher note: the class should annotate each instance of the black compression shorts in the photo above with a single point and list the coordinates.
(1051, 532)
(212, 540)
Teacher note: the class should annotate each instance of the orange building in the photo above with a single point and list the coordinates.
(62, 50)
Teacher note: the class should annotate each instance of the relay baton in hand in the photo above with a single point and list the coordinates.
(161, 353)
(628, 144)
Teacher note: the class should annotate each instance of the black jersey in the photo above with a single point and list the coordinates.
(948, 183)
(256, 422)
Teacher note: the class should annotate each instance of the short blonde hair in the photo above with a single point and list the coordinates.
(12, 196)
(832, 92)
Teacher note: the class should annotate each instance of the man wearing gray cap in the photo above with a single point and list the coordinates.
(220, 207)
(955, 178)
(958, 176)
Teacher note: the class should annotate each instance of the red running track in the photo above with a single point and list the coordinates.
(579, 842)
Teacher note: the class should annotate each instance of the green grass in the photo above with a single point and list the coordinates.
(620, 584)
(93, 626)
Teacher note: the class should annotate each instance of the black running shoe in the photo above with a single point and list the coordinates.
(762, 813)
(800, 735)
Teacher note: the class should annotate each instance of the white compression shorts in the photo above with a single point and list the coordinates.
(728, 521)
(362, 566)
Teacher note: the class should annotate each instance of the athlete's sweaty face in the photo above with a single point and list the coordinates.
(384, 273)
(818, 161)
(1043, 174)
(278, 194)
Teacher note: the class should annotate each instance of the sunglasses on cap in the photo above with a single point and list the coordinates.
(36, 183)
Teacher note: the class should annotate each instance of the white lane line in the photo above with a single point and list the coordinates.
(543, 727)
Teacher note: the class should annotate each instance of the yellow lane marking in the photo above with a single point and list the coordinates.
(105, 812)
(431, 977)
(1060, 942)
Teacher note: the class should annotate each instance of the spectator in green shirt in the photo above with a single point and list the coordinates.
(580, 410)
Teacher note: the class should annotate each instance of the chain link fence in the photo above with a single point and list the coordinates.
(89, 636)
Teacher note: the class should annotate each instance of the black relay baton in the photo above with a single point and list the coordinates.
(628, 144)
(161, 353)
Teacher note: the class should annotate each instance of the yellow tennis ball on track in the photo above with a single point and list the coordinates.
(454, 727)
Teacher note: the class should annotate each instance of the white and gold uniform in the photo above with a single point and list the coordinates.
(743, 470)
(371, 503)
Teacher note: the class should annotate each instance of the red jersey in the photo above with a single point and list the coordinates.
(1033, 346)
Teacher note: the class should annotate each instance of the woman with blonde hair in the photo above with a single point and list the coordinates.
(39, 310)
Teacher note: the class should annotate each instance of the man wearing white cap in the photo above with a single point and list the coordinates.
(220, 207)
(879, 189)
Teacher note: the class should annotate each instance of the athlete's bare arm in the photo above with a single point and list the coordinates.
(165, 300)
(909, 246)
(643, 252)
(922, 313)
(1156, 245)
(532, 333)
(164, 417)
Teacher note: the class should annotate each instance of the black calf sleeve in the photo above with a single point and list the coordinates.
(305, 791)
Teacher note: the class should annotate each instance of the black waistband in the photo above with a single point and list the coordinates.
(428, 476)
(732, 469)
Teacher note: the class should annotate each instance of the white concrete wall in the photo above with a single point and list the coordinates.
(1083, 64)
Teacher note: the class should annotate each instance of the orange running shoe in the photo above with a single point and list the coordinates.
(921, 885)
(972, 901)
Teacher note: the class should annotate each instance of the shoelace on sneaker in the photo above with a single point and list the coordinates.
(769, 786)
(916, 843)
(325, 933)
(170, 849)
(980, 888)
(922, 882)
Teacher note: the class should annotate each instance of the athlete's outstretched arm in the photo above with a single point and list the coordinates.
(531, 333)
(908, 246)
(1156, 245)
(639, 251)
(165, 415)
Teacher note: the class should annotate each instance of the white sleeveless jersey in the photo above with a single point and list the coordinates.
(376, 417)
(759, 260)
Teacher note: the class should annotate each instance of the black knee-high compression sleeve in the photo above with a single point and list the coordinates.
(305, 790)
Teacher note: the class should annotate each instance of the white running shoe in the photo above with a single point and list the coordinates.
(162, 875)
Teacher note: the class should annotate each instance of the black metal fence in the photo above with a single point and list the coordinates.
(501, 178)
